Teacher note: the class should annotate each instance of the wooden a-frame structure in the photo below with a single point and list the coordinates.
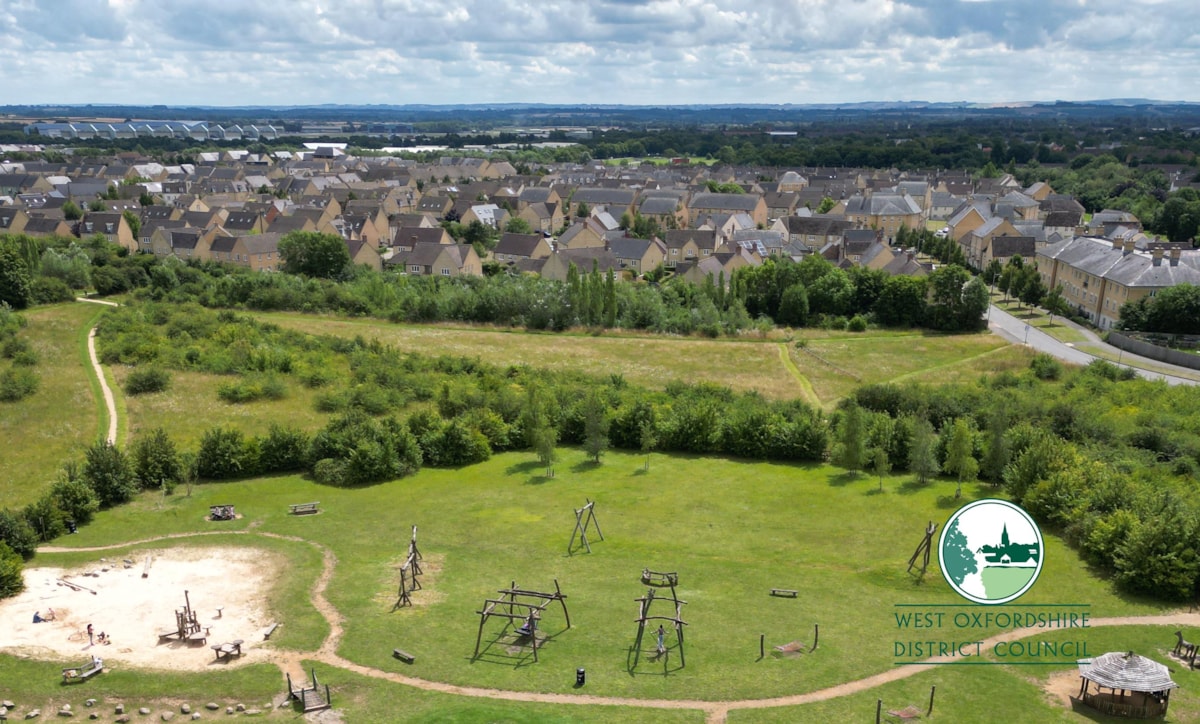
(660, 581)
(409, 573)
(924, 547)
(584, 517)
(511, 607)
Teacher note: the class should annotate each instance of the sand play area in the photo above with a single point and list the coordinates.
(132, 610)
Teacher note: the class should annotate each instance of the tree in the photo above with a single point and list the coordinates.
(850, 450)
(922, 455)
(1056, 303)
(44, 517)
(156, 462)
(996, 455)
(960, 458)
(135, 223)
(71, 211)
(222, 454)
(881, 464)
(314, 254)
(12, 581)
(517, 225)
(1032, 287)
(649, 438)
(793, 306)
(595, 426)
(17, 534)
(901, 302)
(15, 278)
(826, 205)
(73, 496)
(957, 302)
(582, 210)
(98, 205)
(544, 440)
(107, 470)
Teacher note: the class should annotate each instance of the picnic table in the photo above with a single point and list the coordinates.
(227, 650)
(303, 508)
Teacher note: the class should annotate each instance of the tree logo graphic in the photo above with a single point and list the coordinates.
(991, 551)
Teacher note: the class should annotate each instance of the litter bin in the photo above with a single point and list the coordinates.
(71, 527)
(580, 677)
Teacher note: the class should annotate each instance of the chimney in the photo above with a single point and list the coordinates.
(1175, 253)
(1156, 253)
(1117, 244)
(1127, 246)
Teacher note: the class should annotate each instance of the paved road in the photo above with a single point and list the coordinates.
(1016, 330)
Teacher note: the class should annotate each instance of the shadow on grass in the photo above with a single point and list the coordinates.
(584, 465)
(526, 467)
(874, 491)
(949, 502)
(511, 648)
(841, 480)
(640, 471)
(650, 662)
(539, 479)
(908, 487)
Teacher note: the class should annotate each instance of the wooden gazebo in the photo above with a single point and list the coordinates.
(1127, 685)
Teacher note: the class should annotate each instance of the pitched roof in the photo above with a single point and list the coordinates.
(1116, 670)
(725, 202)
(517, 244)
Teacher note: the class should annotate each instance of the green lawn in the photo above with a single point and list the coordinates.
(61, 418)
(732, 529)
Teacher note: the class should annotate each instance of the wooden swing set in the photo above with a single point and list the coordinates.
(511, 607)
(409, 573)
(660, 581)
(584, 517)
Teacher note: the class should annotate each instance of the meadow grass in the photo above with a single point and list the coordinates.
(732, 529)
(60, 419)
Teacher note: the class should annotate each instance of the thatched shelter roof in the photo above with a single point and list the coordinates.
(1128, 671)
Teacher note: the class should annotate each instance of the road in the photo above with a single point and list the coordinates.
(1016, 330)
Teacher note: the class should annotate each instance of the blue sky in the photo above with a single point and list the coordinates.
(244, 52)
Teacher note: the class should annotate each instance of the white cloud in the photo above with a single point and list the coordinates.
(607, 51)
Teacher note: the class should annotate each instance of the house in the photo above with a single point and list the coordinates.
(47, 226)
(243, 222)
(408, 237)
(974, 243)
(546, 218)
(813, 232)
(489, 215)
(439, 206)
(781, 203)
(1099, 276)
(185, 243)
(617, 201)
(111, 226)
(967, 218)
(428, 259)
(557, 265)
(638, 255)
(906, 264)
(686, 245)
(887, 212)
(259, 252)
(1003, 248)
(513, 247)
(364, 253)
(13, 220)
(860, 247)
(582, 234)
(709, 204)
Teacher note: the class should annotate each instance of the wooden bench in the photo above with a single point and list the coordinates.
(404, 656)
(83, 673)
(784, 592)
(167, 633)
(201, 636)
(304, 508)
(270, 630)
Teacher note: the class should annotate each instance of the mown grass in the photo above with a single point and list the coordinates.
(732, 529)
(57, 421)
(1007, 693)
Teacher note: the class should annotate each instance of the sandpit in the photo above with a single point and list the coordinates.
(132, 609)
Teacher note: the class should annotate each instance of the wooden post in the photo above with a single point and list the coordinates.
(878, 710)
(563, 600)
(816, 635)
(762, 646)
(932, 689)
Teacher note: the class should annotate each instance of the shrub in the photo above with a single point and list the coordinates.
(857, 323)
(46, 520)
(222, 454)
(73, 496)
(1045, 367)
(17, 383)
(284, 449)
(11, 580)
(156, 462)
(270, 387)
(108, 471)
(16, 534)
(144, 380)
(50, 290)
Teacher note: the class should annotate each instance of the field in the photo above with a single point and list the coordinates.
(731, 529)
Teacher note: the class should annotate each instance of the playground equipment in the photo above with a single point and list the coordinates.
(310, 697)
(511, 607)
(221, 512)
(659, 581)
(584, 517)
(187, 625)
(908, 713)
(409, 573)
(923, 548)
(74, 674)
(1185, 650)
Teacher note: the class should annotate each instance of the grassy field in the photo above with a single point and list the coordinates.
(831, 363)
(732, 529)
(61, 418)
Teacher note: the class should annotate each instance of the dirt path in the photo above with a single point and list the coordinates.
(109, 402)
(806, 388)
(715, 712)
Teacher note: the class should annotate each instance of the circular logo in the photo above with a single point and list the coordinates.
(990, 551)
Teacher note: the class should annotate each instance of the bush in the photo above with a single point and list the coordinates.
(11, 580)
(108, 471)
(222, 454)
(270, 387)
(1046, 367)
(50, 290)
(144, 380)
(17, 383)
(284, 449)
(857, 323)
(73, 496)
(16, 533)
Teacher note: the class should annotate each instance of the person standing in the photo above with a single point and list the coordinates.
(89, 630)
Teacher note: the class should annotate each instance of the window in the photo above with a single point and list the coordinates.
(414, 268)
(674, 252)
(445, 271)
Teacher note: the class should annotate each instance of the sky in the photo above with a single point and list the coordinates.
(299, 52)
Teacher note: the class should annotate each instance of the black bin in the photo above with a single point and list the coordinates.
(71, 525)
(580, 677)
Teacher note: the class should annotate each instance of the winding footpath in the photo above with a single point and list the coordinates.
(715, 712)
(109, 401)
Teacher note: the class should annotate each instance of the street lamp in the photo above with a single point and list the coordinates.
(1026, 334)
